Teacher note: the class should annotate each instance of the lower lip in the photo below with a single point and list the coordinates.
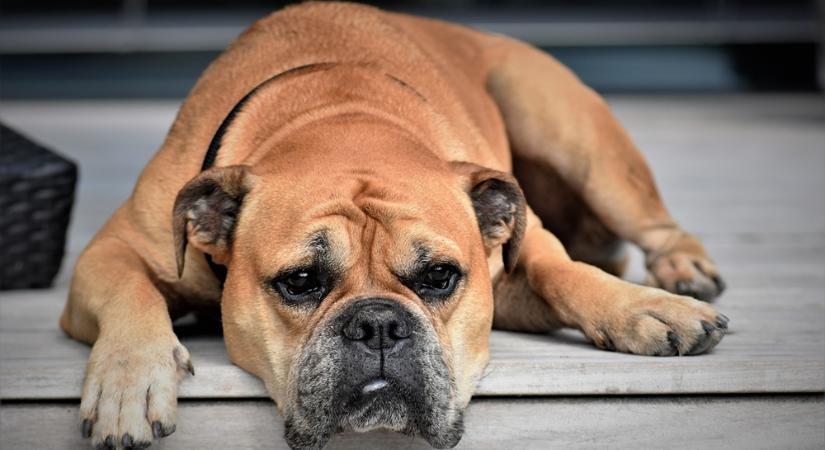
(375, 385)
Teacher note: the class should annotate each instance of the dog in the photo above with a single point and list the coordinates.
(364, 195)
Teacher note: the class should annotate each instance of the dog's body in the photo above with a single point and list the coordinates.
(370, 160)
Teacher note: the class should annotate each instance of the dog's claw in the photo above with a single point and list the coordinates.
(108, 443)
(157, 429)
(127, 441)
(725, 318)
(720, 284)
(86, 428)
(674, 341)
(184, 361)
(705, 341)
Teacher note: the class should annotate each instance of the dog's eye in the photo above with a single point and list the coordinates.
(302, 286)
(438, 281)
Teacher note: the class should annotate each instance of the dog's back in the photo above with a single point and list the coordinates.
(445, 62)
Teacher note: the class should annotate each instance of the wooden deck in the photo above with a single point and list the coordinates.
(745, 173)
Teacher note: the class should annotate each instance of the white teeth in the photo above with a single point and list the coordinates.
(374, 385)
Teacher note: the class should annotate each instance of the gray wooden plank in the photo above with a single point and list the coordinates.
(695, 422)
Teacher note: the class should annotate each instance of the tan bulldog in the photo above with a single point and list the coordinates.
(344, 184)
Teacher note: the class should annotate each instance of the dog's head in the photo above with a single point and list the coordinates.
(358, 285)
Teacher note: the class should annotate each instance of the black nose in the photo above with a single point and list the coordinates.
(378, 324)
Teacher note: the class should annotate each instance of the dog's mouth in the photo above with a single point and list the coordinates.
(377, 403)
(374, 366)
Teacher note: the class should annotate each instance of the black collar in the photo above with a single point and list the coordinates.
(215, 145)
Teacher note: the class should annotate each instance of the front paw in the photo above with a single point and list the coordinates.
(130, 392)
(657, 323)
(683, 268)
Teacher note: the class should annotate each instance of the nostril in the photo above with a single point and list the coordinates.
(357, 330)
(366, 332)
(399, 330)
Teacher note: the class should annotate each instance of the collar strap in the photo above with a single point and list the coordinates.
(215, 144)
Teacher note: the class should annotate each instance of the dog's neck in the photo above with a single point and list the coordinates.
(301, 98)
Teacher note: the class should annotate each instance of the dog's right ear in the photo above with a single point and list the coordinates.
(500, 208)
(206, 210)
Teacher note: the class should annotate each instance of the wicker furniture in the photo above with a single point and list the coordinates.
(36, 195)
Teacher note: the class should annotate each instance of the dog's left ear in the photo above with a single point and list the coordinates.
(206, 210)
(499, 206)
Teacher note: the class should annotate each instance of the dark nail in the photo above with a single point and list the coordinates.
(127, 441)
(724, 317)
(140, 445)
(682, 288)
(706, 295)
(722, 322)
(608, 344)
(674, 341)
(87, 428)
(110, 442)
(190, 368)
(160, 431)
(707, 327)
(720, 284)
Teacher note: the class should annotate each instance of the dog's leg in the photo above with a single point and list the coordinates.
(548, 290)
(130, 392)
(562, 211)
(554, 121)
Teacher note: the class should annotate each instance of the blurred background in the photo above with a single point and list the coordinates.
(53, 49)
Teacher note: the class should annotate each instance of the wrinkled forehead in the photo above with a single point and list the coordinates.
(348, 217)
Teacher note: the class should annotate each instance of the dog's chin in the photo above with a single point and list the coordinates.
(380, 410)
(387, 410)
(384, 410)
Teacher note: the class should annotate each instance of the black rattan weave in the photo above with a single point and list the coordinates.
(36, 195)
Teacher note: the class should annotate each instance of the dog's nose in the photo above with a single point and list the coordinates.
(379, 324)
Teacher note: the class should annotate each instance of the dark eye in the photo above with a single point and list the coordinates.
(302, 286)
(438, 281)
